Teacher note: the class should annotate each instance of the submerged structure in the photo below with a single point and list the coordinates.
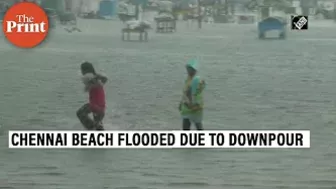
(165, 22)
(136, 27)
(165, 25)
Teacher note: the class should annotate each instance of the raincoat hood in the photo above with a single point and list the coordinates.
(193, 64)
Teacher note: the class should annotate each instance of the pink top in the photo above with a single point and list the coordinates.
(97, 98)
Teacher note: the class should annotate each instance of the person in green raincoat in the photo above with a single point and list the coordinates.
(191, 105)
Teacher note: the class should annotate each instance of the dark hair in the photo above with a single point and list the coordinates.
(87, 67)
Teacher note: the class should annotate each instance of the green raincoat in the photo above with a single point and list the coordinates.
(192, 99)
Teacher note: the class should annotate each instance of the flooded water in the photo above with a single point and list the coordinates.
(252, 84)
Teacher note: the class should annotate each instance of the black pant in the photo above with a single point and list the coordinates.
(88, 123)
(187, 124)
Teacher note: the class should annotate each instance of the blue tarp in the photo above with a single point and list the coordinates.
(272, 23)
(107, 8)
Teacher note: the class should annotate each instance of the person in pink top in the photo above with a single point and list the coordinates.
(94, 85)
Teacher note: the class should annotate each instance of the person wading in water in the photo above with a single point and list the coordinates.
(94, 85)
(191, 105)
